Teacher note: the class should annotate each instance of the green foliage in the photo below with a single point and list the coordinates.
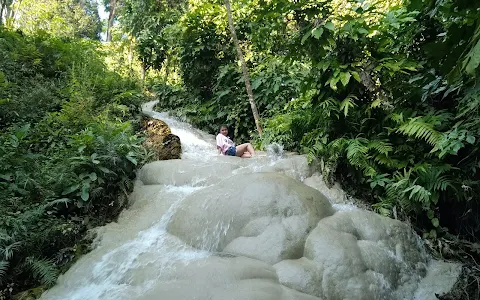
(68, 150)
(65, 18)
(384, 94)
(204, 47)
(43, 270)
(387, 112)
(146, 21)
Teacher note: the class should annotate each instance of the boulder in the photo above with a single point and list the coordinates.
(266, 216)
(160, 140)
(185, 172)
(357, 255)
(220, 278)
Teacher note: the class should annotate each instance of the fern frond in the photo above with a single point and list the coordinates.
(380, 146)
(356, 148)
(442, 184)
(58, 201)
(5, 237)
(3, 269)
(418, 127)
(338, 144)
(7, 252)
(357, 154)
(347, 103)
(397, 118)
(395, 196)
(43, 270)
(382, 159)
(418, 193)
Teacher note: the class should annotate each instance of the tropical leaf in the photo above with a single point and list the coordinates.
(418, 128)
(3, 270)
(43, 270)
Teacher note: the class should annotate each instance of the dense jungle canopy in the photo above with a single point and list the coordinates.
(383, 94)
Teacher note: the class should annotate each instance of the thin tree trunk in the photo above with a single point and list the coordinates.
(167, 67)
(144, 73)
(1, 11)
(130, 56)
(246, 77)
(111, 18)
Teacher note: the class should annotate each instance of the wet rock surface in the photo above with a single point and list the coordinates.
(211, 227)
(261, 215)
(160, 139)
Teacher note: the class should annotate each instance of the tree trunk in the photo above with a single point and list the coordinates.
(2, 4)
(130, 57)
(111, 18)
(10, 11)
(246, 77)
(144, 73)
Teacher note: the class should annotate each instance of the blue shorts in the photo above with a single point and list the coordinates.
(232, 151)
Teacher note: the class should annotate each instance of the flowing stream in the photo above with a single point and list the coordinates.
(215, 227)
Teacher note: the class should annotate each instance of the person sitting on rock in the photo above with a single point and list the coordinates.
(227, 147)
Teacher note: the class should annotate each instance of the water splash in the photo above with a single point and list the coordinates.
(275, 151)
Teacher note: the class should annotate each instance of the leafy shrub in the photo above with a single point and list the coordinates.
(385, 109)
(68, 150)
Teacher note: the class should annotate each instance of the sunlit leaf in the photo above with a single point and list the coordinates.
(329, 26)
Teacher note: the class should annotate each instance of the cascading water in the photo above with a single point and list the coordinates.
(215, 227)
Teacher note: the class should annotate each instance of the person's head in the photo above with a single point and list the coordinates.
(223, 129)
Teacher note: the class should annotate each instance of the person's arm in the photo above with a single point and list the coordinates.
(219, 144)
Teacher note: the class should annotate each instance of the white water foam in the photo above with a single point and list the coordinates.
(133, 268)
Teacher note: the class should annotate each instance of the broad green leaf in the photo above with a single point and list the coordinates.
(317, 32)
(356, 75)
(225, 92)
(94, 158)
(333, 82)
(330, 26)
(435, 222)
(85, 194)
(306, 36)
(6, 177)
(472, 60)
(430, 214)
(70, 189)
(132, 160)
(93, 176)
(105, 170)
(276, 87)
(470, 139)
(324, 65)
(255, 84)
(362, 30)
(345, 78)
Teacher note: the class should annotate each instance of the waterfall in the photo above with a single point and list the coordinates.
(214, 227)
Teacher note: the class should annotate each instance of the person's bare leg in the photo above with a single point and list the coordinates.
(246, 155)
(241, 149)
(250, 149)
(245, 148)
